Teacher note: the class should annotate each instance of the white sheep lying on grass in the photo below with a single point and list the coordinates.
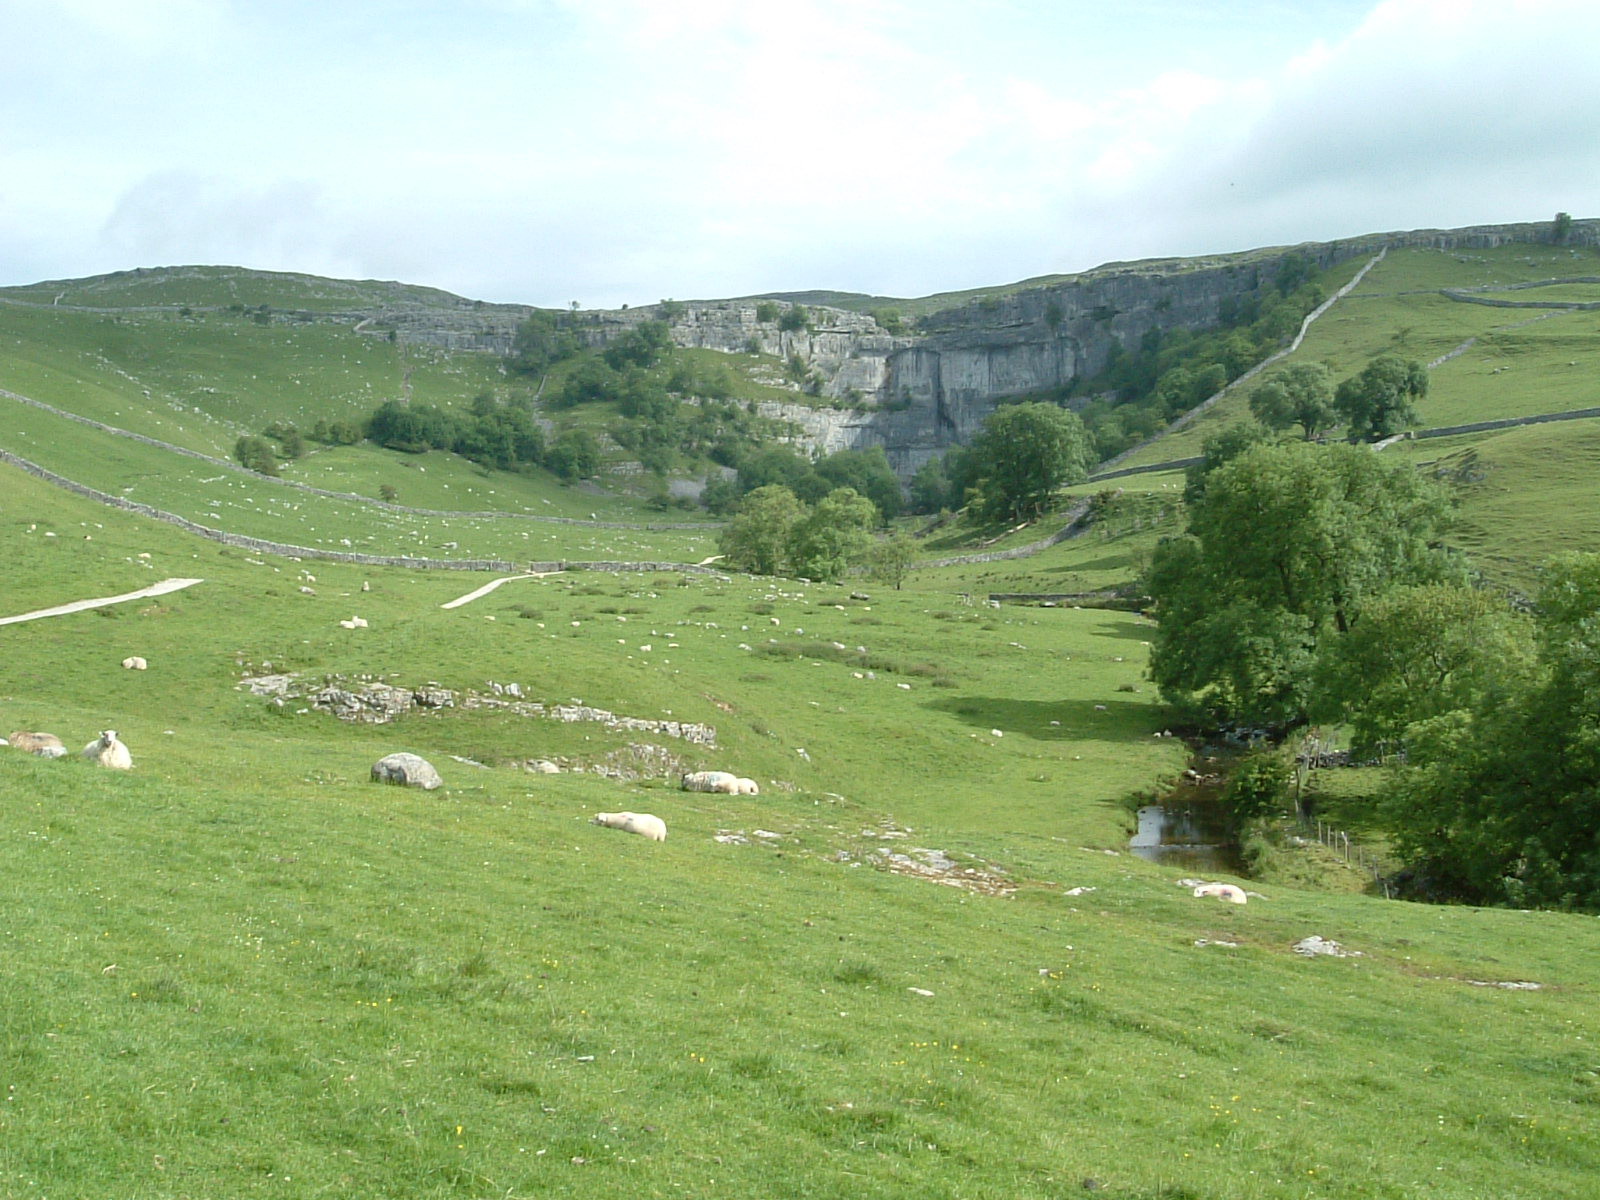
(746, 787)
(134, 663)
(1222, 891)
(45, 745)
(109, 752)
(724, 782)
(644, 824)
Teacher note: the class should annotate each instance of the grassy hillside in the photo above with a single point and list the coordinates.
(242, 969)
(198, 287)
(1521, 361)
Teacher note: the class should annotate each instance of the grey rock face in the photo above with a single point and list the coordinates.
(410, 770)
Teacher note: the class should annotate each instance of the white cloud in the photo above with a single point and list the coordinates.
(612, 150)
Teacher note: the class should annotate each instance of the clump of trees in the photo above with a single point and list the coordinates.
(1287, 544)
(494, 432)
(1021, 456)
(867, 472)
(255, 453)
(1498, 799)
(1310, 587)
(774, 532)
(541, 341)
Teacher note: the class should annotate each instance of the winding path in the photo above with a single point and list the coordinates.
(491, 585)
(61, 610)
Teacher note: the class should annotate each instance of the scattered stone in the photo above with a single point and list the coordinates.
(409, 770)
(1510, 985)
(1079, 891)
(919, 991)
(543, 766)
(1216, 942)
(938, 867)
(1316, 945)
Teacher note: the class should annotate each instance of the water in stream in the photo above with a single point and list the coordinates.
(1189, 835)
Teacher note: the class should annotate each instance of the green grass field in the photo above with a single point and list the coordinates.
(919, 963)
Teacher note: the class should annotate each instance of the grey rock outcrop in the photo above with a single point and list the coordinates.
(409, 770)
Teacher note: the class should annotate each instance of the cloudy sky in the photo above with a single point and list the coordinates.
(612, 151)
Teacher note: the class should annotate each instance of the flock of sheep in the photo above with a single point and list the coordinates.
(106, 750)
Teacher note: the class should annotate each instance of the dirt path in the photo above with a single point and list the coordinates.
(490, 586)
(61, 610)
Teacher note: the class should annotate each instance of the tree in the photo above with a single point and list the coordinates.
(826, 541)
(1023, 453)
(868, 472)
(891, 557)
(1380, 401)
(388, 493)
(644, 345)
(1298, 395)
(794, 319)
(1501, 802)
(757, 538)
(540, 341)
(1561, 227)
(766, 311)
(574, 455)
(1285, 548)
(255, 453)
(1419, 653)
(1217, 450)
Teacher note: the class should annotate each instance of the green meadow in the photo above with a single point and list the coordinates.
(921, 962)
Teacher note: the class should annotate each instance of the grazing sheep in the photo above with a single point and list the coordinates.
(723, 782)
(45, 745)
(134, 663)
(746, 787)
(643, 824)
(1222, 891)
(107, 751)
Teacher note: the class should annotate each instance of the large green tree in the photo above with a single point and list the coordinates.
(757, 539)
(1419, 653)
(830, 538)
(1500, 802)
(1023, 453)
(1381, 400)
(1299, 395)
(1285, 548)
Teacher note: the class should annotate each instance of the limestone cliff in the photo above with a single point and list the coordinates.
(916, 395)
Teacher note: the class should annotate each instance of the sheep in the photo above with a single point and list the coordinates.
(1222, 891)
(134, 663)
(107, 751)
(354, 623)
(45, 745)
(746, 787)
(723, 782)
(644, 824)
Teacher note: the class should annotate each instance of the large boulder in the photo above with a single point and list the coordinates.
(411, 770)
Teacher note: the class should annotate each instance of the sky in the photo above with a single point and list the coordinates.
(627, 151)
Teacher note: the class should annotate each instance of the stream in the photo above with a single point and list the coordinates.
(1187, 832)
